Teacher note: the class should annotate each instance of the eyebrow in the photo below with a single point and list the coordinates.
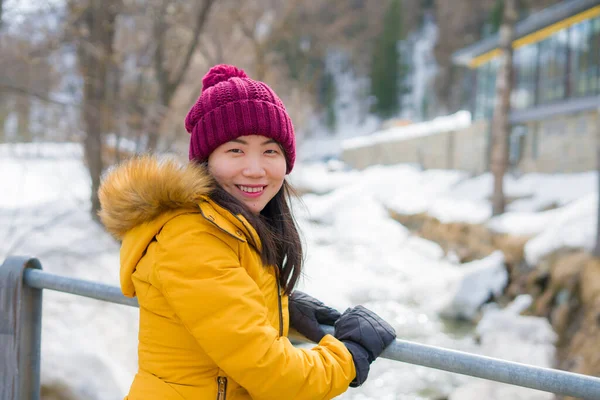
(242, 141)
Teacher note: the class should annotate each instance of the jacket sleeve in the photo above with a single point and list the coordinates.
(223, 308)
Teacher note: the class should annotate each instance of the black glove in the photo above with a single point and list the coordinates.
(307, 313)
(365, 335)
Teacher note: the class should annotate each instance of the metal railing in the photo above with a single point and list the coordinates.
(22, 281)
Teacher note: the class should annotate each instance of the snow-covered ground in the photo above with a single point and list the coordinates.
(355, 254)
(557, 210)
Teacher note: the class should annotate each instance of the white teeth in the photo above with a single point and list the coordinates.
(250, 189)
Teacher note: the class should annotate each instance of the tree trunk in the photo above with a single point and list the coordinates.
(3, 115)
(23, 108)
(92, 145)
(95, 53)
(500, 120)
(597, 248)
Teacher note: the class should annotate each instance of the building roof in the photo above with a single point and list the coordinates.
(533, 23)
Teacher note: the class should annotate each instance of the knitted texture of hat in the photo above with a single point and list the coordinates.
(233, 105)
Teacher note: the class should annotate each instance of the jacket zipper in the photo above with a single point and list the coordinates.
(222, 388)
(279, 302)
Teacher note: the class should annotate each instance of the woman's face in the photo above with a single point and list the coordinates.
(250, 168)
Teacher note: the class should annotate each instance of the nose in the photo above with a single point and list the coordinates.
(254, 168)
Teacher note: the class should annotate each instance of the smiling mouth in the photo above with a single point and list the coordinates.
(256, 190)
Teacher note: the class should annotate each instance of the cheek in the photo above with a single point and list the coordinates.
(278, 171)
(219, 172)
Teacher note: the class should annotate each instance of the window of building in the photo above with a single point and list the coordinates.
(486, 90)
(564, 65)
(553, 67)
(516, 144)
(585, 57)
(595, 57)
(525, 63)
(535, 143)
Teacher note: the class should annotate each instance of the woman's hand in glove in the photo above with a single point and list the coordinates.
(365, 335)
(308, 313)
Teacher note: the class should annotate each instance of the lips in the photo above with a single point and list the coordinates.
(251, 191)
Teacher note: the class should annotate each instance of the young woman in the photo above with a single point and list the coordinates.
(212, 253)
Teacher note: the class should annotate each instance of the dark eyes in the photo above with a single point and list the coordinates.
(239, 151)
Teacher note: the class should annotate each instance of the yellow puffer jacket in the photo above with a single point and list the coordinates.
(213, 321)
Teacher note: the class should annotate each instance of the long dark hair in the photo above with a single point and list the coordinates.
(277, 230)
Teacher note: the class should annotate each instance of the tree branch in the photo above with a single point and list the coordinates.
(201, 19)
(159, 50)
(28, 92)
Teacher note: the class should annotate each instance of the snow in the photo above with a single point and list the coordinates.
(38, 173)
(355, 254)
(480, 281)
(351, 107)
(574, 227)
(426, 247)
(459, 120)
(125, 144)
(450, 195)
(320, 178)
(423, 69)
(455, 197)
(504, 333)
(570, 226)
(523, 223)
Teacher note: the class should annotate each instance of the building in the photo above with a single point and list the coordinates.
(555, 100)
(556, 88)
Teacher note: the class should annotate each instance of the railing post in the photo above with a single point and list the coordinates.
(20, 331)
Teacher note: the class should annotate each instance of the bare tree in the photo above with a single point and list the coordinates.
(500, 120)
(96, 29)
(24, 77)
(169, 79)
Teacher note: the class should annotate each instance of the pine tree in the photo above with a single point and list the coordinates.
(385, 72)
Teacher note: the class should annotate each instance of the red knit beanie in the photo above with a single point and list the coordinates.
(232, 105)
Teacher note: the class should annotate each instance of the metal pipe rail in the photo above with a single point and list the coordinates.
(34, 280)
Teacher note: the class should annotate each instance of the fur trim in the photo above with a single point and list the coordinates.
(142, 188)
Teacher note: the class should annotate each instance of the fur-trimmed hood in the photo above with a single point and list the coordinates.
(142, 188)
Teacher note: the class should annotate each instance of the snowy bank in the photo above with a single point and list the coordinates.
(479, 282)
(574, 226)
(505, 334)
